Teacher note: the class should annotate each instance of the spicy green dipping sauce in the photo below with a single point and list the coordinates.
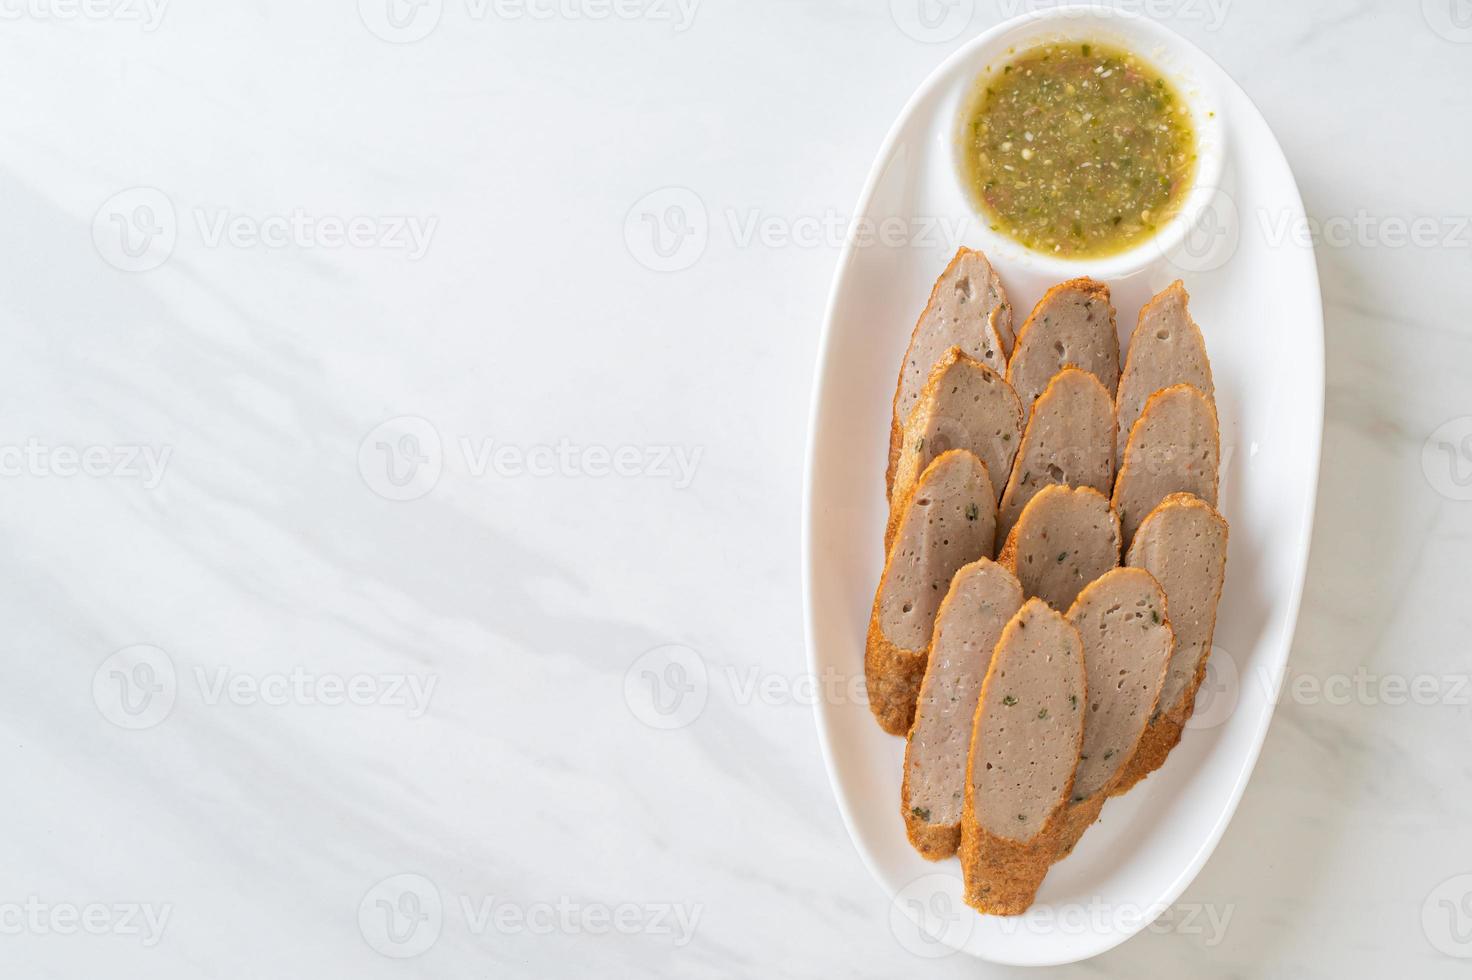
(1077, 150)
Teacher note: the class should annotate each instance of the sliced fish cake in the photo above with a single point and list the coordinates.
(1065, 538)
(1122, 618)
(1025, 749)
(1069, 441)
(1174, 448)
(968, 309)
(948, 521)
(1166, 349)
(984, 597)
(966, 405)
(1072, 326)
(1183, 543)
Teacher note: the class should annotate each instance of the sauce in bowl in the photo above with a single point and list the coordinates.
(1078, 150)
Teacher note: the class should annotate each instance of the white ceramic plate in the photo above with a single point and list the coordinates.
(1254, 291)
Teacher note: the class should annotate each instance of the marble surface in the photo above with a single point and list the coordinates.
(402, 428)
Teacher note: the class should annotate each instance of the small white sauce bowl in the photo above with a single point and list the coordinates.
(1179, 62)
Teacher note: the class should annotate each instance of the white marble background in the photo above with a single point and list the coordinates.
(249, 690)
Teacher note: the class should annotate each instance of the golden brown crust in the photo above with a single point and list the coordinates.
(1160, 738)
(933, 841)
(896, 439)
(1007, 558)
(1164, 732)
(896, 424)
(1078, 817)
(892, 677)
(1002, 876)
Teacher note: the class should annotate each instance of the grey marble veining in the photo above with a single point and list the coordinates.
(362, 471)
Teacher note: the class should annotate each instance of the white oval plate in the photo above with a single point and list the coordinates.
(1254, 290)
